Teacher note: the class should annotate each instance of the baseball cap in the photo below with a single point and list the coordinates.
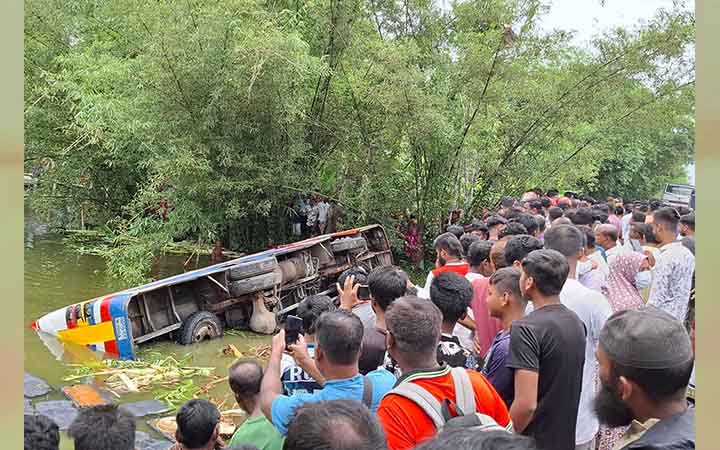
(646, 338)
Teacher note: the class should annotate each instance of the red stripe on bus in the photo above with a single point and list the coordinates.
(72, 319)
(110, 346)
(105, 310)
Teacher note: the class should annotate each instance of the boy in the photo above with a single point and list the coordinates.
(506, 303)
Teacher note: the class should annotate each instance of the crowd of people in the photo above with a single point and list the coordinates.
(553, 323)
(313, 215)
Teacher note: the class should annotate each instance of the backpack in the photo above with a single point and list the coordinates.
(466, 415)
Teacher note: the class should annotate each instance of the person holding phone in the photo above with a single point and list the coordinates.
(295, 380)
(339, 336)
(359, 303)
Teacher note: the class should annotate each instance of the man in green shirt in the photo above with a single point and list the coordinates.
(245, 378)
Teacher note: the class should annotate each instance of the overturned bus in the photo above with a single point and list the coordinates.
(251, 292)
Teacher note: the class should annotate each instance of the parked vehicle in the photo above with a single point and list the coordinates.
(679, 195)
(252, 292)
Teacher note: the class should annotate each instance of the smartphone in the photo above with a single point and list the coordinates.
(293, 325)
(636, 245)
(363, 292)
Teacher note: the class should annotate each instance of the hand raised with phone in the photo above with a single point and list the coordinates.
(293, 327)
(348, 293)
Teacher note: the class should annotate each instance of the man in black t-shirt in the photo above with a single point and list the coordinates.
(547, 353)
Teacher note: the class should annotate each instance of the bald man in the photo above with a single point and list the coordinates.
(606, 236)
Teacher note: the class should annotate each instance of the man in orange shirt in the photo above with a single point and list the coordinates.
(449, 259)
(413, 326)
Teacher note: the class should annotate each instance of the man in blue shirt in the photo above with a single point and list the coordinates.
(294, 379)
(339, 336)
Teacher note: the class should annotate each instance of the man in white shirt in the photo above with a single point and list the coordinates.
(593, 309)
(673, 269)
(596, 276)
(323, 209)
(625, 222)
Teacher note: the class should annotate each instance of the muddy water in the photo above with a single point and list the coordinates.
(56, 276)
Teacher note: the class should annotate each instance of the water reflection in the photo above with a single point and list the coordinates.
(69, 353)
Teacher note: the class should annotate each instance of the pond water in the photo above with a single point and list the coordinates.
(56, 275)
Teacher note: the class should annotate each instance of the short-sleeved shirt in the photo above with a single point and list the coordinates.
(294, 379)
(259, 432)
(672, 280)
(486, 326)
(406, 424)
(551, 342)
(451, 352)
(593, 309)
(496, 370)
(283, 407)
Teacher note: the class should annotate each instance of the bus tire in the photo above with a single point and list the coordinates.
(347, 244)
(199, 326)
(257, 283)
(252, 268)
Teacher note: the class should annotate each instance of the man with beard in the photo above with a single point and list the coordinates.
(646, 359)
(449, 259)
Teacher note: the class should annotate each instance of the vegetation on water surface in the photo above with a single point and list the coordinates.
(161, 121)
(169, 380)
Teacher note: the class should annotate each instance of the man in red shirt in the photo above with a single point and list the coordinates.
(413, 334)
(449, 259)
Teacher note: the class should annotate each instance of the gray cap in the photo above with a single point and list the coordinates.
(646, 338)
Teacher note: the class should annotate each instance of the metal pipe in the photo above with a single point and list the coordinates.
(219, 284)
(147, 313)
(172, 304)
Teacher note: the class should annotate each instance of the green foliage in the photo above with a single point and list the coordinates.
(161, 121)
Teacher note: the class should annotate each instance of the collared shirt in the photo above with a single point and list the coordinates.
(283, 407)
(691, 387)
(634, 432)
(672, 280)
(676, 432)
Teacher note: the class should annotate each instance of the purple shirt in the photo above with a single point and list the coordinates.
(495, 370)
